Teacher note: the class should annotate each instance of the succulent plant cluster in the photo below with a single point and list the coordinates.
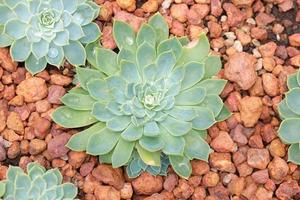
(157, 96)
(136, 166)
(289, 110)
(48, 31)
(37, 184)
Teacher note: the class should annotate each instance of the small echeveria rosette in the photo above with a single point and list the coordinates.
(289, 110)
(37, 184)
(48, 31)
(157, 95)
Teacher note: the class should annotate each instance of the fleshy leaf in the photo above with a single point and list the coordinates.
(20, 49)
(176, 127)
(173, 145)
(34, 65)
(15, 28)
(292, 81)
(213, 65)
(192, 96)
(106, 61)
(204, 119)
(132, 133)
(160, 26)
(197, 148)
(75, 53)
(194, 72)
(170, 44)
(78, 101)
(146, 34)
(289, 130)
(122, 153)
(79, 141)
(70, 118)
(151, 144)
(102, 142)
(292, 100)
(124, 35)
(213, 86)
(293, 153)
(181, 166)
(285, 111)
(85, 74)
(150, 158)
(91, 32)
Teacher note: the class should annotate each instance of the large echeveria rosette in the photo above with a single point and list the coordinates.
(48, 31)
(289, 110)
(36, 184)
(155, 96)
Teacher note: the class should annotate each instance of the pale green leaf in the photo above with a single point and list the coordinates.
(70, 118)
(204, 119)
(294, 154)
(102, 142)
(151, 144)
(181, 166)
(172, 44)
(79, 141)
(213, 86)
(194, 72)
(132, 133)
(160, 26)
(15, 28)
(213, 102)
(75, 53)
(176, 127)
(145, 55)
(91, 33)
(85, 75)
(285, 112)
(40, 49)
(173, 145)
(78, 101)
(212, 65)
(192, 96)
(292, 100)
(146, 34)
(122, 153)
(34, 65)
(20, 49)
(61, 38)
(55, 55)
(118, 123)
(99, 90)
(124, 35)
(70, 191)
(150, 158)
(289, 130)
(106, 61)
(197, 147)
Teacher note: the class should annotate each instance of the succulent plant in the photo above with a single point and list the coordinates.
(157, 95)
(136, 166)
(289, 110)
(48, 31)
(37, 184)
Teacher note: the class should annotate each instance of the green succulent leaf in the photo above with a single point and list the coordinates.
(146, 104)
(102, 142)
(34, 65)
(79, 141)
(213, 65)
(292, 100)
(20, 49)
(288, 130)
(124, 35)
(122, 153)
(37, 184)
(71, 118)
(160, 26)
(49, 32)
(293, 153)
(285, 111)
(181, 165)
(75, 53)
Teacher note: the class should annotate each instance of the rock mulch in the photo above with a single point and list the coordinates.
(258, 41)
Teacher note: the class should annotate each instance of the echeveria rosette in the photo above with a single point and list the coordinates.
(289, 110)
(157, 95)
(136, 166)
(48, 31)
(37, 184)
